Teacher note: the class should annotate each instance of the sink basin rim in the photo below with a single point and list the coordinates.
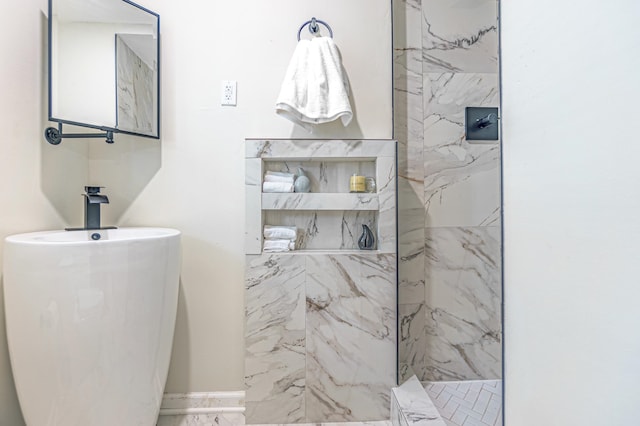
(57, 237)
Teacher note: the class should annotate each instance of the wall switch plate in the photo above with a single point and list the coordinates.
(228, 90)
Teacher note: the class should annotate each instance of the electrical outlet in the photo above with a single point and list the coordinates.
(228, 91)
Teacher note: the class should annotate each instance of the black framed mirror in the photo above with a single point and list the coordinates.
(104, 68)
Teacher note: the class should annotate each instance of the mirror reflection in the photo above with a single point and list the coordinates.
(103, 65)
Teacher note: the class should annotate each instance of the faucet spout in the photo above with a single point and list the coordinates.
(96, 199)
(92, 202)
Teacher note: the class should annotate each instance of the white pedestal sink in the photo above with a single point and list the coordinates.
(90, 323)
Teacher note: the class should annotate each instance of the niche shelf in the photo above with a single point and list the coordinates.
(329, 217)
(323, 201)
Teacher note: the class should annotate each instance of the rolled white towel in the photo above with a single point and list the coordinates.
(277, 187)
(281, 174)
(278, 245)
(276, 178)
(280, 232)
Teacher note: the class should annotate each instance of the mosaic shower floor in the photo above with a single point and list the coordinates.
(468, 403)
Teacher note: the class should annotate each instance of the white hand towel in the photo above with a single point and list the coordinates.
(280, 232)
(315, 88)
(277, 187)
(278, 245)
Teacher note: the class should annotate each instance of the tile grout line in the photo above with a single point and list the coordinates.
(482, 408)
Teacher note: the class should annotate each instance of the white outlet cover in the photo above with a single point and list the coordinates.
(228, 92)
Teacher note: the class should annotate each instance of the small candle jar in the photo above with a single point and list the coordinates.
(357, 184)
(370, 184)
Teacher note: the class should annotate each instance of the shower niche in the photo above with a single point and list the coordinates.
(320, 331)
(329, 217)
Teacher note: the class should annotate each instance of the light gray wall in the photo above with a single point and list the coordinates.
(35, 193)
(571, 212)
(193, 179)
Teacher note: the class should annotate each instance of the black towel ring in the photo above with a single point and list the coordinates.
(314, 28)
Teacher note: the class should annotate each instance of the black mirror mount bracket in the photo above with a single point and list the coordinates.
(54, 136)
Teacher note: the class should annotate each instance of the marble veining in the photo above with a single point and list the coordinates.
(409, 116)
(350, 337)
(321, 321)
(460, 36)
(327, 218)
(314, 149)
(413, 336)
(134, 87)
(386, 187)
(232, 419)
(397, 419)
(275, 339)
(213, 400)
(374, 423)
(326, 176)
(214, 419)
(330, 357)
(253, 206)
(446, 58)
(310, 201)
(446, 94)
(324, 230)
(409, 128)
(414, 406)
(462, 179)
(463, 303)
(411, 251)
(409, 12)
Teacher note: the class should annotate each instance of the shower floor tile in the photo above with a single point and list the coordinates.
(468, 403)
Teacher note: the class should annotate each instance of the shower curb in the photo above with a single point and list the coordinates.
(412, 406)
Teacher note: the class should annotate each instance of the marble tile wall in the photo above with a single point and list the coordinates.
(351, 336)
(321, 337)
(463, 303)
(321, 323)
(135, 85)
(446, 58)
(275, 339)
(409, 131)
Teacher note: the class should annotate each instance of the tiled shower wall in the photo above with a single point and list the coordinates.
(446, 58)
